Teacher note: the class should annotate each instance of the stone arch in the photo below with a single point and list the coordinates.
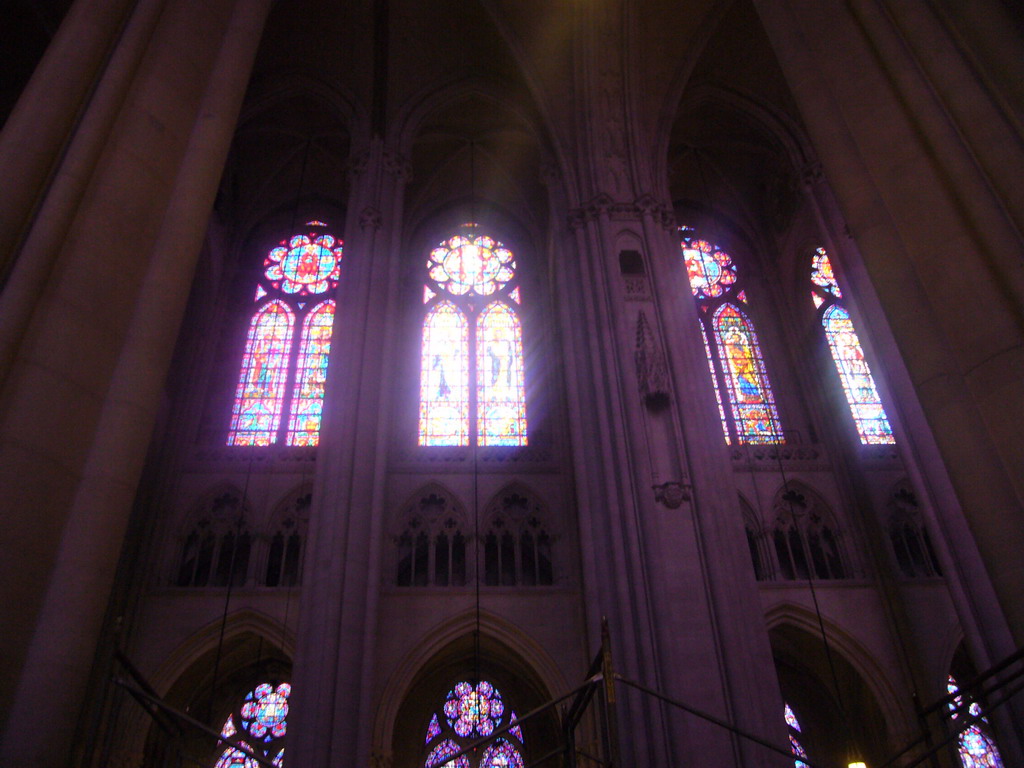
(517, 523)
(219, 518)
(284, 538)
(518, 664)
(757, 541)
(807, 538)
(253, 643)
(431, 539)
(869, 700)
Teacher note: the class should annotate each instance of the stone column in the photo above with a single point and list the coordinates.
(929, 209)
(334, 665)
(79, 404)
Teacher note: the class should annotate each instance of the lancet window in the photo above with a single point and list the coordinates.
(470, 712)
(746, 404)
(284, 367)
(975, 744)
(260, 723)
(472, 382)
(858, 384)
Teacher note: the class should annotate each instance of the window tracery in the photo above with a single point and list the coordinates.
(747, 410)
(794, 738)
(216, 550)
(284, 553)
(472, 333)
(805, 537)
(517, 544)
(297, 276)
(854, 372)
(909, 536)
(468, 713)
(975, 744)
(431, 544)
(262, 725)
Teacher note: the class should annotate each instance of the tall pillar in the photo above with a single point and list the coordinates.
(922, 176)
(332, 706)
(81, 398)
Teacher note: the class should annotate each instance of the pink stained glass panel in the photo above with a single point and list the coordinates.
(444, 377)
(256, 414)
(750, 394)
(501, 754)
(858, 383)
(311, 376)
(477, 264)
(822, 274)
(306, 264)
(501, 397)
(438, 755)
(714, 381)
(709, 269)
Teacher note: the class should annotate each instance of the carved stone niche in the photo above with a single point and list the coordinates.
(651, 369)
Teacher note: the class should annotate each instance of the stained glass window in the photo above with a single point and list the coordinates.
(444, 377)
(261, 384)
(470, 712)
(311, 375)
(466, 339)
(748, 410)
(501, 401)
(794, 743)
(283, 373)
(854, 373)
(263, 716)
(976, 747)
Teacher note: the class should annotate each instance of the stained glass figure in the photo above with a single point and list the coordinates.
(259, 398)
(444, 377)
(311, 375)
(977, 749)
(750, 394)
(747, 408)
(282, 376)
(501, 401)
(444, 750)
(858, 384)
(501, 754)
(306, 264)
(794, 743)
(263, 716)
(466, 340)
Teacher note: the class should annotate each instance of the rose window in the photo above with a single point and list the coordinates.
(307, 264)
(710, 270)
(467, 709)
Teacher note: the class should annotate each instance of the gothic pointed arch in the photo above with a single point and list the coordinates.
(806, 538)
(518, 540)
(431, 536)
(844, 345)
(908, 534)
(286, 538)
(739, 376)
(457, 695)
(760, 559)
(215, 542)
(280, 391)
(472, 380)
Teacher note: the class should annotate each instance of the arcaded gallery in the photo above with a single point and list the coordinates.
(512, 383)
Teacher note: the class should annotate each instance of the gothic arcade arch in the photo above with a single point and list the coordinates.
(509, 658)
